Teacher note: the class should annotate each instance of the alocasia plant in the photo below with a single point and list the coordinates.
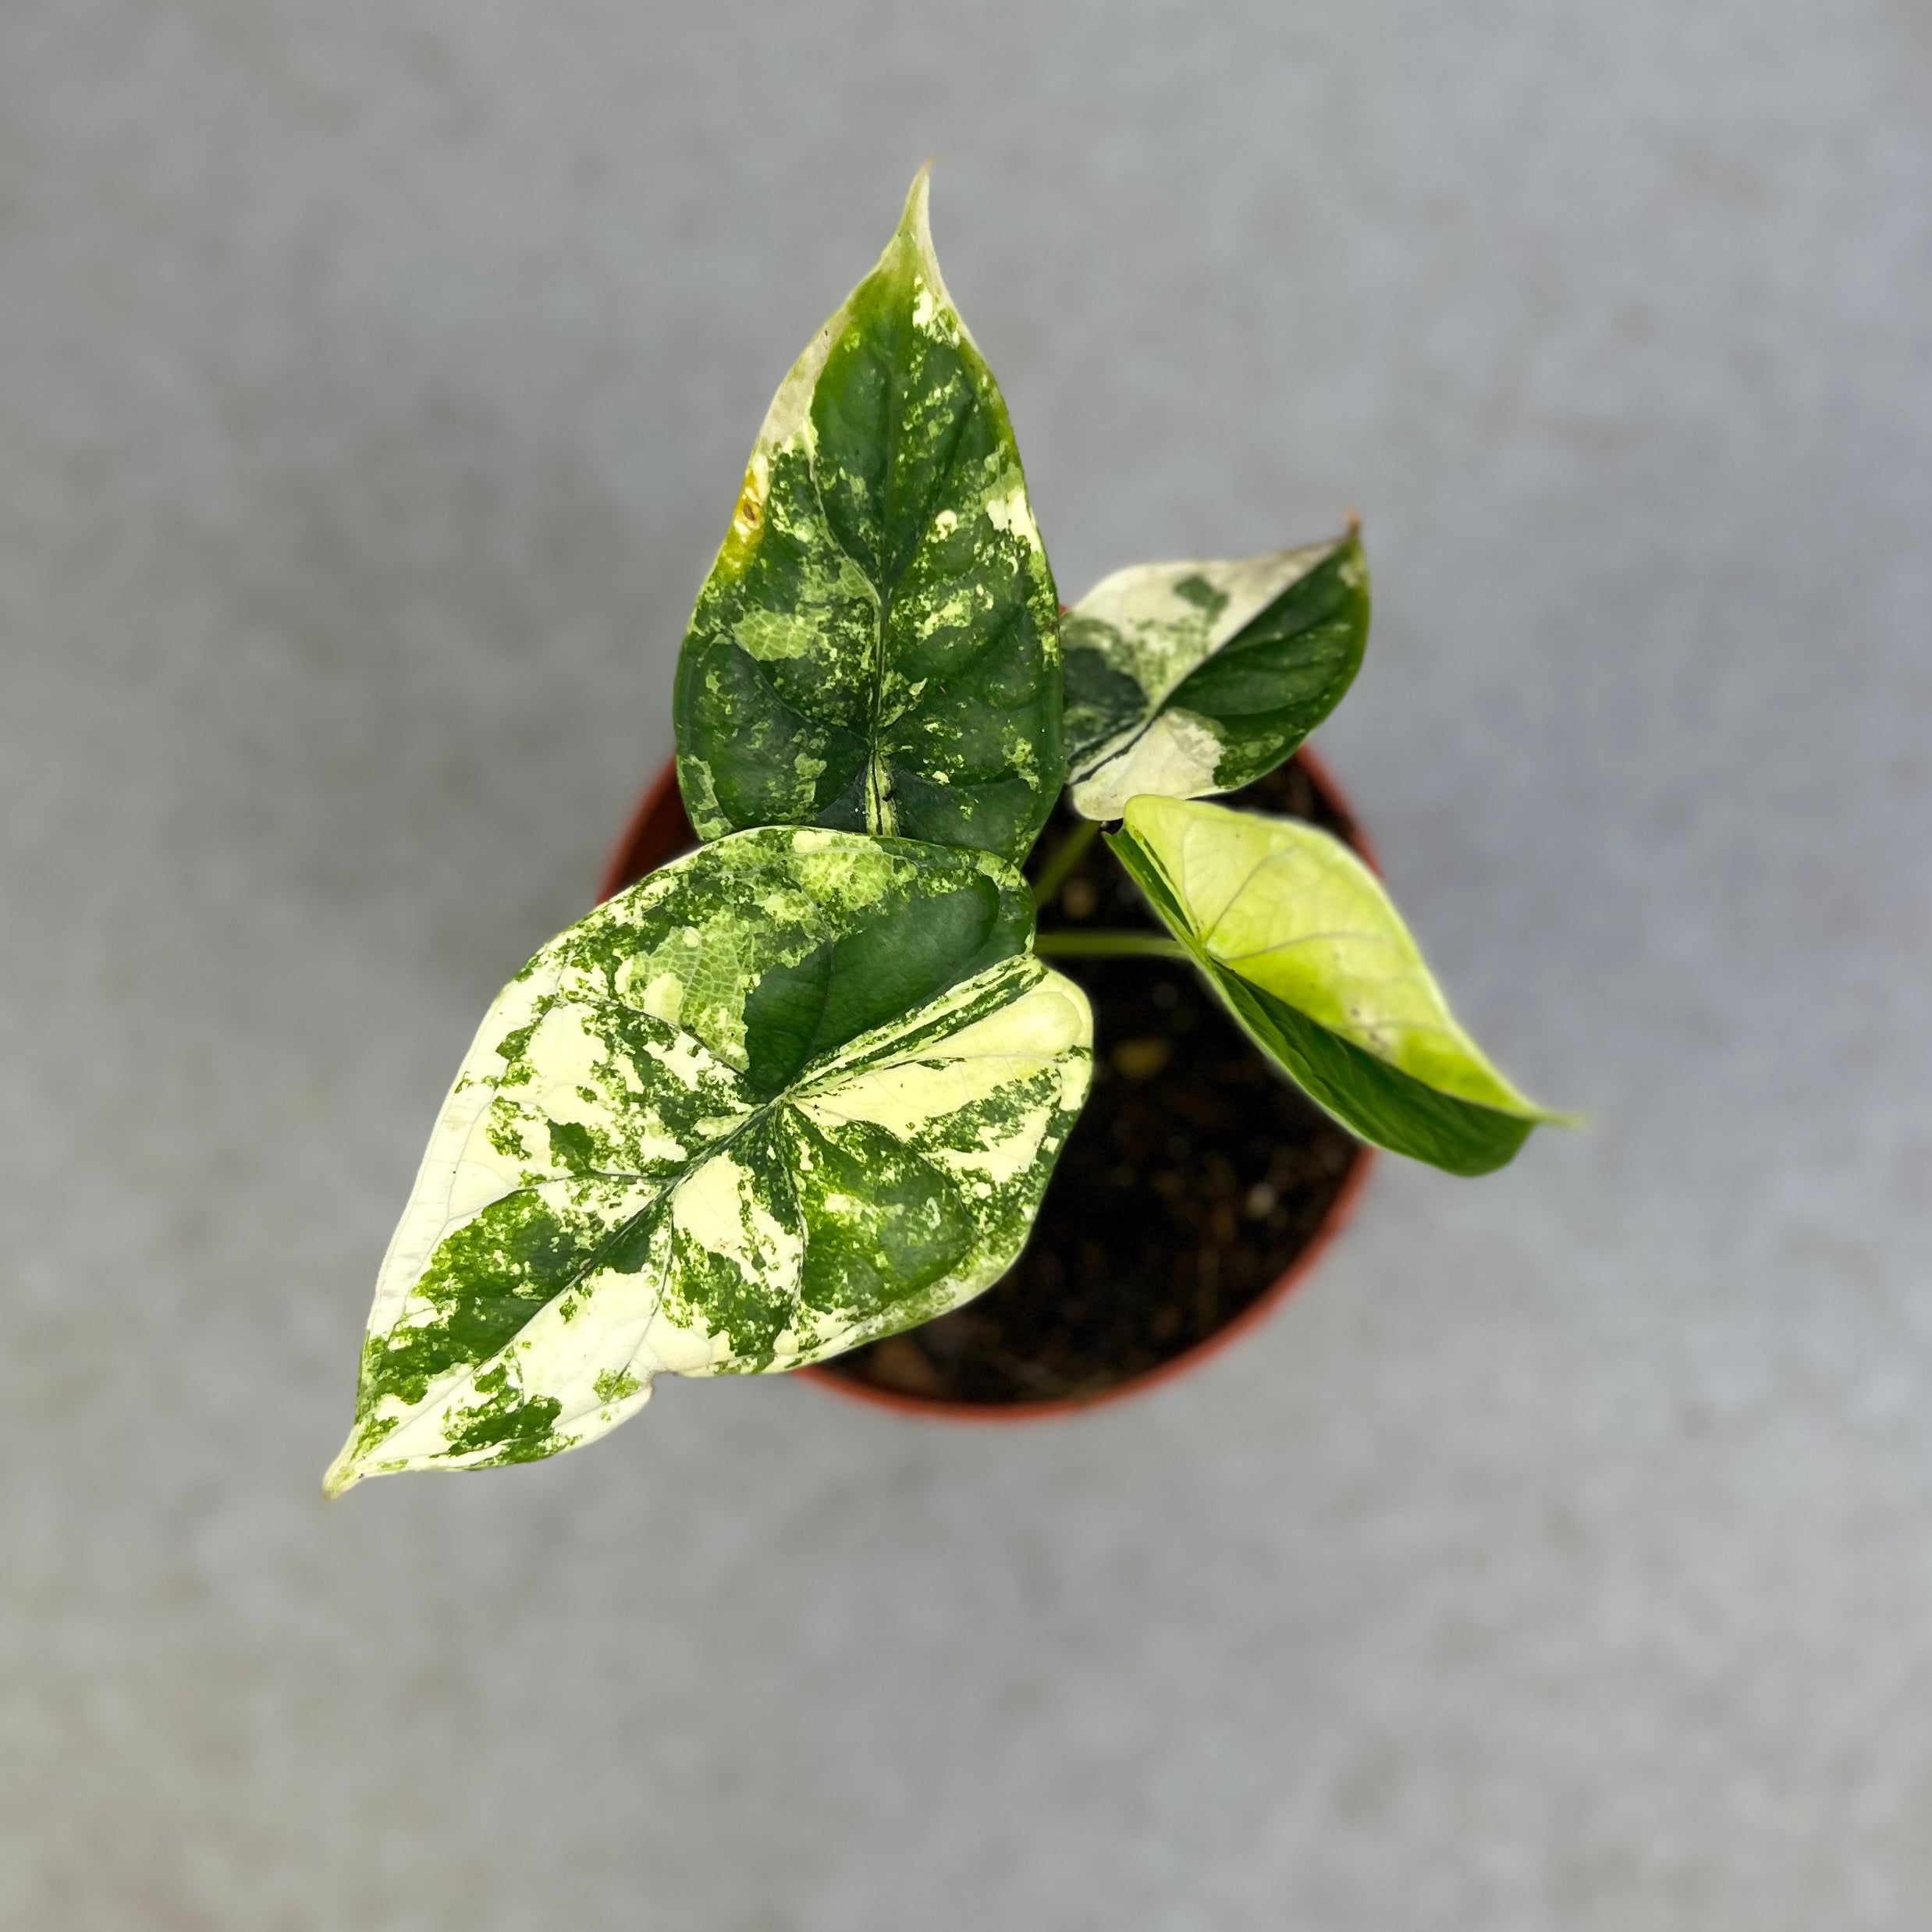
(805, 1086)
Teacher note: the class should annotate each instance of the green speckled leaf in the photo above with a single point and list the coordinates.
(1298, 938)
(1185, 679)
(877, 646)
(795, 1091)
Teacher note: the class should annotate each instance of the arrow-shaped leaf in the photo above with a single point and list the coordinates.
(877, 646)
(795, 1091)
(1185, 679)
(1298, 938)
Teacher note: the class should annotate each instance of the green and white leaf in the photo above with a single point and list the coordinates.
(795, 1091)
(1301, 942)
(877, 646)
(1185, 679)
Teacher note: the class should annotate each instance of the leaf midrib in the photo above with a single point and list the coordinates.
(883, 821)
(799, 1083)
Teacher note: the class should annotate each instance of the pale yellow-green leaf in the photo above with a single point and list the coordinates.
(1300, 939)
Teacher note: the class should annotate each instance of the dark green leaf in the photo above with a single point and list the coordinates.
(1185, 679)
(877, 646)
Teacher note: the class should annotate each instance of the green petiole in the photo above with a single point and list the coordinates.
(1107, 946)
(1054, 873)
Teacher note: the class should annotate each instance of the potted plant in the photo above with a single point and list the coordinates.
(803, 1088)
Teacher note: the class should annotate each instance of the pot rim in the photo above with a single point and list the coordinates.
(659, 810)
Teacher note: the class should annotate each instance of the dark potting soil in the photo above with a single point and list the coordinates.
(1194, 1179)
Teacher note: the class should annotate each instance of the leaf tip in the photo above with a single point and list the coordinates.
(916, 222)
(914, 236)
(344, 1473)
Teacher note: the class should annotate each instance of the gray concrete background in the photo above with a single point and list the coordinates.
(374, 380)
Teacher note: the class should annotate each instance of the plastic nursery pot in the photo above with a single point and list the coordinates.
(1197, 1190)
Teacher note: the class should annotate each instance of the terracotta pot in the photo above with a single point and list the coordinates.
(659, 830)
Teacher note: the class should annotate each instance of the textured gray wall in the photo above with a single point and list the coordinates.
(374, 380)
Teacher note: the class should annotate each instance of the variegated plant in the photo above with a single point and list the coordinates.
(805, 1086)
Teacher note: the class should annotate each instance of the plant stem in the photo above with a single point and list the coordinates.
(1108, 946)
(1053, 874)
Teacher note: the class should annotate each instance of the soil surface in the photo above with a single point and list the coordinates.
(1194, 1179)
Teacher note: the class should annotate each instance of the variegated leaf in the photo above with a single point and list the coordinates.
(1185, 679)
(877, 646)
(1298, 938)
(797, 1090)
